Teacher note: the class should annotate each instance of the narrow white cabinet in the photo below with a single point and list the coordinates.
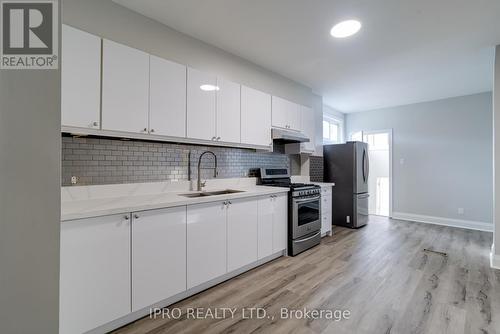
(241, 233)
(167, 98)
(255, 117)
(201, 97)
(206, 242)
(309, 129)
(280, 222)
(285, 114)
(326, 210)
(80, 78)
(125, 88)
(265, 226)
(228, 111)
(94, 272)
(158, 255)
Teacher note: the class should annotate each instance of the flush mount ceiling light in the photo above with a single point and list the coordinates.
(345, 28)
(209, 88)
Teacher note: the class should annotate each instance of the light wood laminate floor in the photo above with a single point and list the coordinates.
(381, 273)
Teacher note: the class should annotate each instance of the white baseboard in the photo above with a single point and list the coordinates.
(494, 258)
(468, 224)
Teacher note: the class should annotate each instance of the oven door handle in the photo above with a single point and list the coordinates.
(310, 199)
(309, 238)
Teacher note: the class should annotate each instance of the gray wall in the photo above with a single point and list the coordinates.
(30, 161)
(446, 146)
(105, 161)
(496, 152)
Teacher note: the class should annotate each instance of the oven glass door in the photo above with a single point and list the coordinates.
(307, 216)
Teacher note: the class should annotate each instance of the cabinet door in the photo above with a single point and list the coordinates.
(80, 78)
(255, 117)
(167, 108)
(265, 226)
(309, 128)
(241, 233)
(228, 111)
(201, 90)
(206, 242)
(280, 222)
(125, 88)
(94, 272)
(158, 255)
(285, 114)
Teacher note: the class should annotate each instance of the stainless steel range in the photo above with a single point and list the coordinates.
(304, 209)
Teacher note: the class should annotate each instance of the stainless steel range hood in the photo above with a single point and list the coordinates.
(281, 136)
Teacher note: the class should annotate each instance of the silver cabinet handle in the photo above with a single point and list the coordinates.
(136, 216)
(126, 217)
(213, 138)
(145, 130)
(225, 202)
(218, 138)
(229, 202)
(152, 130)
(95, 123)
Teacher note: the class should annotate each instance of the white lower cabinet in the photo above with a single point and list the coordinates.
(326, 210)
(280, 222)
(241, 233)
(158, 255)
(94, 272)
(206, 242)
(265, 226)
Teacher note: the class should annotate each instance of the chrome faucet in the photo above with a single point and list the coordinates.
(202, 184)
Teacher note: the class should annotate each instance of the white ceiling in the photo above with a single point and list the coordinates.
(407, 51)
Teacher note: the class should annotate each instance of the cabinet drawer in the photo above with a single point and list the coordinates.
(326, 191)
(326, 204)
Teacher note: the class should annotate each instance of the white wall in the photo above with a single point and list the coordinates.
(30, 192)
(446, 146)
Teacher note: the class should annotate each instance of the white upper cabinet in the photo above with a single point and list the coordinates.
(80, 78)
(201, 95)
(95, 272)
(125, 88)
(167, 96)
(158, 255)
(228, 111)
(286, 114)
(241, 233)
(309, 129)
(255, 117)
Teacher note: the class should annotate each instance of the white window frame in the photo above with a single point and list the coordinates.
(340, 132)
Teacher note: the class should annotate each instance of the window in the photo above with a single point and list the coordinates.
(331, 130)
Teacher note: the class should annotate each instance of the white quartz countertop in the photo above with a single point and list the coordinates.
(324, 184)
(79, 208)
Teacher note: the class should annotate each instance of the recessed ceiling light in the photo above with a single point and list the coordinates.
(345, 28)
(209, 88)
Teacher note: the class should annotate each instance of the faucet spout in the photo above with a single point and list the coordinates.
(199, 183)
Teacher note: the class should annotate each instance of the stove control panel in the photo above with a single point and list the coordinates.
(306, 192)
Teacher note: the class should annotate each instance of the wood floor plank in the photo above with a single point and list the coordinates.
(392, 276)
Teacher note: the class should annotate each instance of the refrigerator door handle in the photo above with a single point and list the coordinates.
(364, 165)
(367, 166)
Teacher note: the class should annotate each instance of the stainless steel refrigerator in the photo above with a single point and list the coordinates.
(347, 165)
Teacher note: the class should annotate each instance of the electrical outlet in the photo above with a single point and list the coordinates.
(460, 211)
(74, 179)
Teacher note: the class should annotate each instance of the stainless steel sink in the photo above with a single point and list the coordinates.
(212, 193)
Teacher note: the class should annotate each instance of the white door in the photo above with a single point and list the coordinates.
(125, 88)
(255, 117)
(379, 177)
(285, 114)
(80, 78)
(309, 128)
(280, 222)
(265, 226)
(206, 242)
(167, 109)
(201, 95)
(228, 111)
(158, 255)
(242, 220)
(94, 272)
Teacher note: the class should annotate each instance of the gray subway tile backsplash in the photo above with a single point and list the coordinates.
(105, 161)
